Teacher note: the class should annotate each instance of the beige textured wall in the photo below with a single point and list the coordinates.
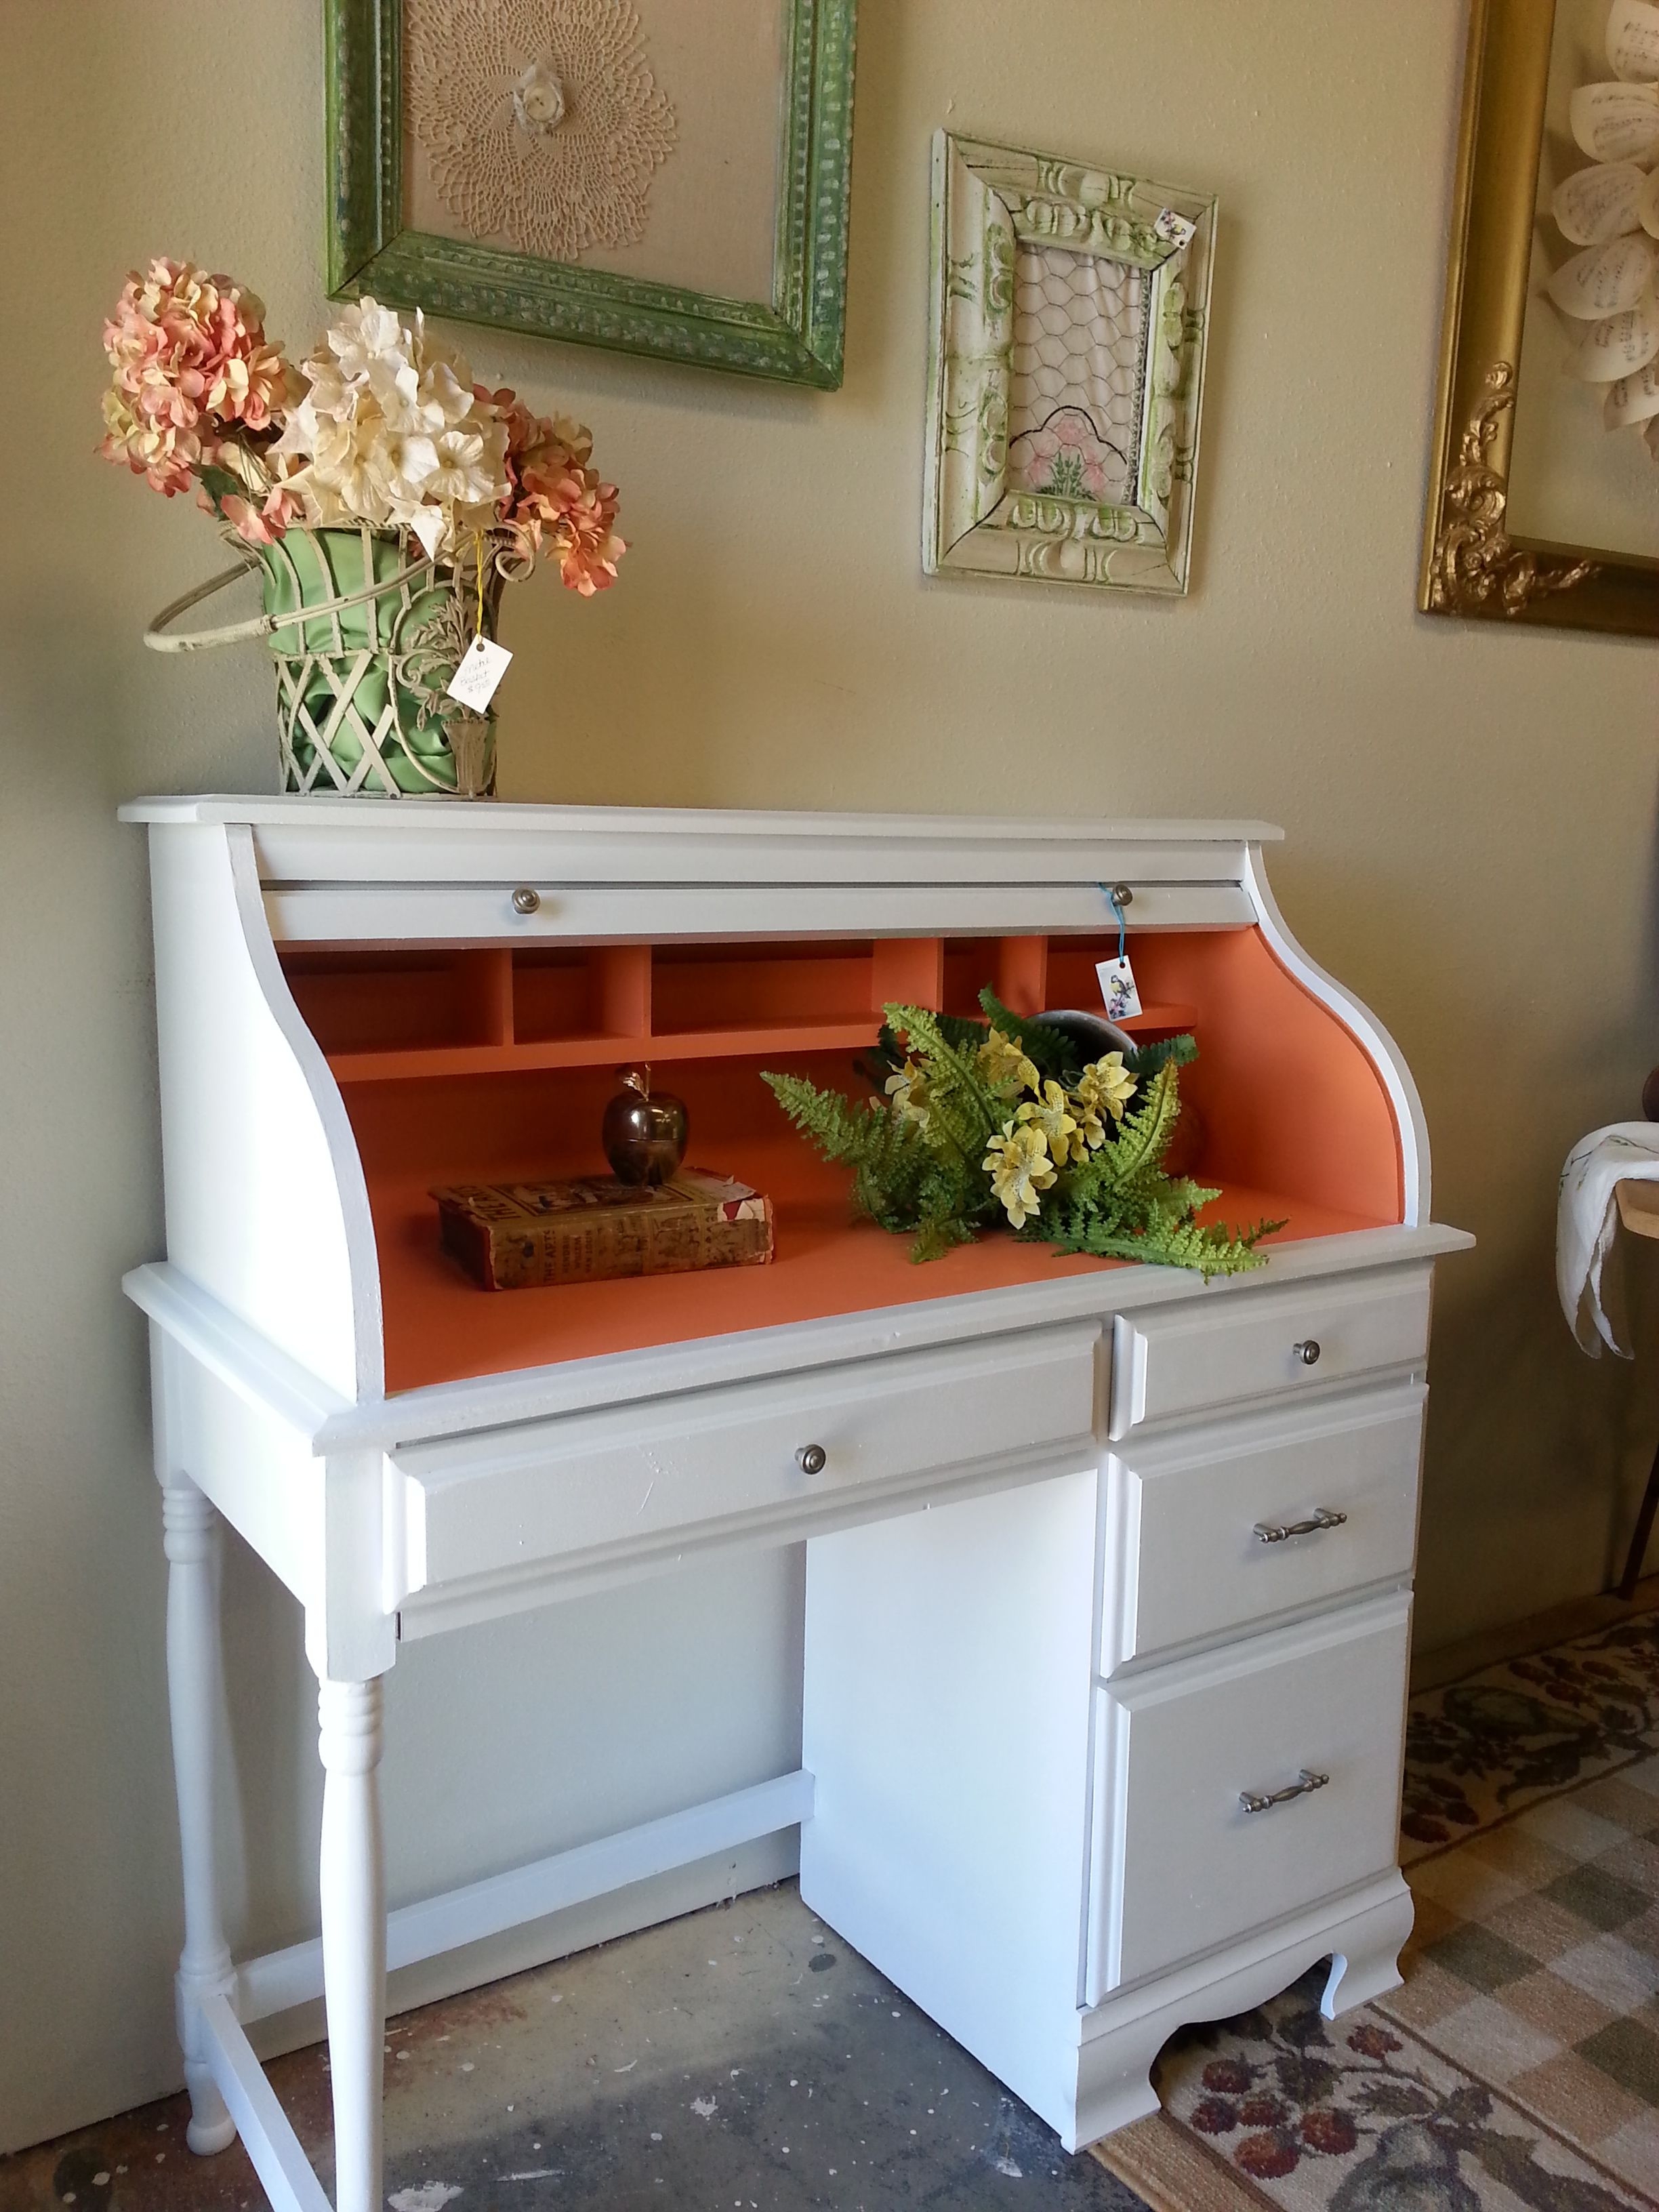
(1470, 812)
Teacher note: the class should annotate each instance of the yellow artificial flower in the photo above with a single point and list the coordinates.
(1104, 1089)
(1004, 1067)
(1019, 1167)
(907, 1092)
(1052, 1113)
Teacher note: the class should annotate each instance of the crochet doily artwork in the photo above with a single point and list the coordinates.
(540, 120)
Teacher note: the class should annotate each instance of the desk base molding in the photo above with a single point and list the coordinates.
(1362, 1934)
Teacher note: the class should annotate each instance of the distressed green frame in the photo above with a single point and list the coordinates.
(986, 200)
(797, 337)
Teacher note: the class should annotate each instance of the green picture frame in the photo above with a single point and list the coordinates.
(796, 337)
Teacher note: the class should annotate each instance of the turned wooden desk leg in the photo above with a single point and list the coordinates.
(1644, 1529)
(354, 1933)
(191, 1537)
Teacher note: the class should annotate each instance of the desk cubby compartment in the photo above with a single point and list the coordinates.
(713, 998)
(367, 1001)
(493, 1063)
(580, 995)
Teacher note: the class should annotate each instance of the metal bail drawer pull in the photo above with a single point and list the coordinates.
(1322, 1517)
(1260, 1802)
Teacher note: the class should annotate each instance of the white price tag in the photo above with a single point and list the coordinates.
(1174, 229)
(1117, 987)
(483, 666)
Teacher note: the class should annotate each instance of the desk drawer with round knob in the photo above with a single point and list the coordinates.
(1225, 1525)
(574, 1497)
(1230, 1346)
(1233, 1791)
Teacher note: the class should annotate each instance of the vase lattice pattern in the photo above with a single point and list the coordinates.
(361, 688)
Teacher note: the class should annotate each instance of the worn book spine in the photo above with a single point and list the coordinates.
(600, 1243)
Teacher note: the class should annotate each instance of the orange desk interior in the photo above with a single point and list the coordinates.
(494, 1064)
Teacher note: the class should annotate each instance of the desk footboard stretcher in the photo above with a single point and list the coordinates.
(1108, 1569)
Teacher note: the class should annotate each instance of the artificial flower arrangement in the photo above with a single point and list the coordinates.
(980, 1123)
(379, 434)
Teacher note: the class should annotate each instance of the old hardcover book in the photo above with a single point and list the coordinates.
(520, 1236)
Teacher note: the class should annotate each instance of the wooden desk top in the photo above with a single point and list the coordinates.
(1638, 1207)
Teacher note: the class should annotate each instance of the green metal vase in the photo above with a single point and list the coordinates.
(364, 665)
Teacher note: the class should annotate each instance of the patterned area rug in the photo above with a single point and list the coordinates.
(1517, 2068)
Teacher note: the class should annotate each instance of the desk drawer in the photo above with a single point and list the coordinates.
(1193, 1553)
(1245, 1344)
(1179, 1866)
(669, 1477)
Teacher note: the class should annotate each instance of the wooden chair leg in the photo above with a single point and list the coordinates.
(1638, 1543)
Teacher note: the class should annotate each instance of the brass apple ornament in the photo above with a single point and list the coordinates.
(644, 1131)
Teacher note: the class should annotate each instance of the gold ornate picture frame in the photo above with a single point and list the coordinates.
(1525, 522)
(1068, 318)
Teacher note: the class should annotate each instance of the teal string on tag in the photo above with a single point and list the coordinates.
(1116, 905)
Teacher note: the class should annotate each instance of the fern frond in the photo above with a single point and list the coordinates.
(938, 1234)
(1146, 1059)
(885, 1151)
(960, 1101)
(1144, 1131)
(1132, 1159)
(1209, 1250)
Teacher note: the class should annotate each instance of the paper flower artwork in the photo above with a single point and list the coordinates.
(1610, 211)
(541, 124)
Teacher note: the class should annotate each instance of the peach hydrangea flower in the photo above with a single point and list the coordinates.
(553, 494)
(191, 360)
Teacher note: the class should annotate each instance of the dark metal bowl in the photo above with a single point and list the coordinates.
(1091, 1034)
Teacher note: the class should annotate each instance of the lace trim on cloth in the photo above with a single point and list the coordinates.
(540, 120)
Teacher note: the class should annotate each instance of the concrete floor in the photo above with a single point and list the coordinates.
(741, 2057)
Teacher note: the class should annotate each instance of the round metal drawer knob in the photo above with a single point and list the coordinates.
(1306, 1352)
(1122, 894)
(525, 900)
(811, 1459)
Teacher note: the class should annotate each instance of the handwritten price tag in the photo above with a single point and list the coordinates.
(1174, 229)
(483, 666)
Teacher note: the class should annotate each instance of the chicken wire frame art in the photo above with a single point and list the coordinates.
(794, 333)
(1069, 313)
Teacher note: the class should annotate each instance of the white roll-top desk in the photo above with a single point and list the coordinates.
(1108, 1570)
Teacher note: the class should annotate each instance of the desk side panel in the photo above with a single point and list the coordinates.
(947, 1679)
(266, 1206)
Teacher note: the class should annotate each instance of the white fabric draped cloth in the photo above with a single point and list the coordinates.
(1587, 1223)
